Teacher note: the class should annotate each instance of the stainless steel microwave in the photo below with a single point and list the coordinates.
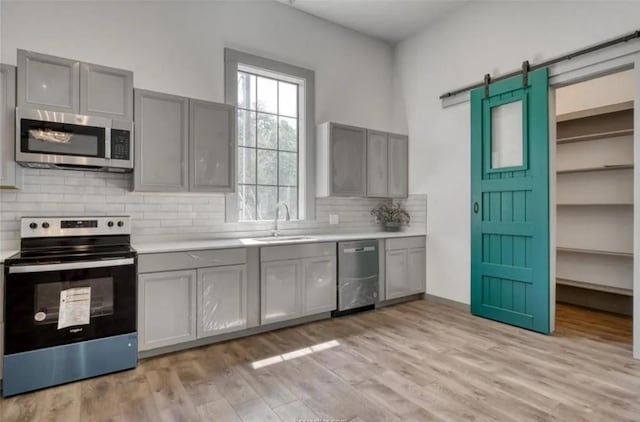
(49, 139)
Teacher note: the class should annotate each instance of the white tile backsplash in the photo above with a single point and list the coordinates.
(165, 216)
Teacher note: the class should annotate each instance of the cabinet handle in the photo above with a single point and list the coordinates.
(476, 207)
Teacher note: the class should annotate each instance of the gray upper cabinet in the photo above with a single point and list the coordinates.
(105, 91)
(377, 165)
(59, 84)
(398, 154)
(161, 141)
(48, 82)
(212, 149)
(10, 172)
(341, 160)
(353, 161)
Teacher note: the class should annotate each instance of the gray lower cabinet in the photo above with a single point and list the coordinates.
(405, 267)
(166, 308)
(341, 160)
(398, 153)
(222, 300)
(161, 142)
(297, 280)
(212, 147)
(319, 275)
(48, 82)
(281, 291)
(106, 91)
(10, 171)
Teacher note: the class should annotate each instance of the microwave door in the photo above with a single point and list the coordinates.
(53, 138)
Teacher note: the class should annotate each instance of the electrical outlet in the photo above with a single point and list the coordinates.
(334, 219)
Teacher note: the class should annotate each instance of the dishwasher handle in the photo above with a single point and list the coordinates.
(360, 249)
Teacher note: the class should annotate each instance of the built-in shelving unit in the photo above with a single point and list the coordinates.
(594, 238)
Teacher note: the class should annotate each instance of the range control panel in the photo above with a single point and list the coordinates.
(74, 226)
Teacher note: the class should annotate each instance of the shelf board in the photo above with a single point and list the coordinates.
(594, 252)
(593, 286)
(596, 135)
(595, 204)
(601, 168)
(612, 108)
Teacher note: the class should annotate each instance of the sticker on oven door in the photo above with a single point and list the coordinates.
(40, 316)
(75, 307)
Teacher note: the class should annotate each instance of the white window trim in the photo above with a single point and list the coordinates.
(236, 60)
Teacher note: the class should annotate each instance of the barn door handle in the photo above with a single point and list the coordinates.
(476, 207)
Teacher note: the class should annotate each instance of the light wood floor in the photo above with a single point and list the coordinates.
(418, 361)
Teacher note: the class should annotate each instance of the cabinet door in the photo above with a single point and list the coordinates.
(417, 269)
(319, 276)
(105, 91)
(397, 275)
(166, 308)
(48, 82)
(347, 160)
(10, 171)
(377, 175)
(161, 139)
(281, 291)
(398, 166)
(212, 151)
(222, 299)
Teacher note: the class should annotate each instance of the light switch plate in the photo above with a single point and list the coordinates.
(334, 219)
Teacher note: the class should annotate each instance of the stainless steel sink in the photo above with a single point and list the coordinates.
(283, 239)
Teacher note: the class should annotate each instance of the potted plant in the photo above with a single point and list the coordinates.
(392, 216)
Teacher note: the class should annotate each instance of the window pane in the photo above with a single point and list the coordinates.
(288, 169)
(267, 95)
(266, 202)
(246, 202)
(267, 131)
(506, 135)
(288, 99)
(267, 167)
(247, 128)
(247, 165)
(246, 91)
(288, 133)
(290, 197)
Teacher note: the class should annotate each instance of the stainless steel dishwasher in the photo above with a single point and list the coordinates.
(357, 276)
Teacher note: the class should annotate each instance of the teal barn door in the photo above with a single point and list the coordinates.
(510, 201)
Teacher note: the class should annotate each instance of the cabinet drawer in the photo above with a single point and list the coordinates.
(190, 259)
(278, 253)
(405, 243)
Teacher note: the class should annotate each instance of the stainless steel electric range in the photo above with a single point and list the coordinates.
(70, 302)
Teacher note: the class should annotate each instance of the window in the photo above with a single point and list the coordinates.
(275, 137)
(268, 145)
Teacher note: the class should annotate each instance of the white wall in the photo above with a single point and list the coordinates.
(479, 38)
(177, 47)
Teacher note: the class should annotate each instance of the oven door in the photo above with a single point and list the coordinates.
(59, 138)
(53, 304)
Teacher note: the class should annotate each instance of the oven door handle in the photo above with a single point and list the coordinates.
(69, 266)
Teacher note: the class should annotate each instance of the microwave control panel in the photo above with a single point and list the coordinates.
(120, 144)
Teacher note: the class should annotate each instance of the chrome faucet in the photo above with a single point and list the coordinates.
(275, 221)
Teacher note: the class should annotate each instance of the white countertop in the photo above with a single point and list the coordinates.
(7, 253)
(224, 243)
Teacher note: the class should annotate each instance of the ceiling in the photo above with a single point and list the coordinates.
(388, 20)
